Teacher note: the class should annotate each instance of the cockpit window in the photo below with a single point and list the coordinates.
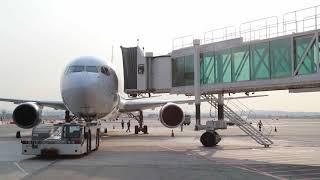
(76, 69)
(92, 69)
(105, 71)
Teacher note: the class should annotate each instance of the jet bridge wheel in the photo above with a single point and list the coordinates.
(210, 138)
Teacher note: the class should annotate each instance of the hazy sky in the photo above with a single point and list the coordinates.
(39, 37)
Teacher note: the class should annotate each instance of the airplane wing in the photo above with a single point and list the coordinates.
(128, 105)
(138, 104)
(52, 104)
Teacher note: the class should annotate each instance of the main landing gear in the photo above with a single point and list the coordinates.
(210, 138)
(141, 127)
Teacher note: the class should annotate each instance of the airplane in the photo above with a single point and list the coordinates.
(89, 90)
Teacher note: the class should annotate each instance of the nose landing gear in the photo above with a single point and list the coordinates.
(141, 127)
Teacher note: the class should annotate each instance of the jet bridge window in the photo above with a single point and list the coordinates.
(73, 69)
(93, 69)
(105, 70)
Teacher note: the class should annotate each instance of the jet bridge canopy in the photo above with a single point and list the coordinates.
(144, 74)
(129, 56)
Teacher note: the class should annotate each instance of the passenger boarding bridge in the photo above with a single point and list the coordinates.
(262, 55)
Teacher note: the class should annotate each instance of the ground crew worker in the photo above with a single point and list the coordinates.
(260, 125)
(122, 124)
(128, 125)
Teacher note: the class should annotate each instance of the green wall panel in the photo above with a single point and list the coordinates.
(280, 53)
(241, 64)
(308, 66)
(260, 62)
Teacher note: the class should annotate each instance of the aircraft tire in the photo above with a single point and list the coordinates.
(89, 142)
(97, 140)
(136, 129)
(145, 129)
(87, 152)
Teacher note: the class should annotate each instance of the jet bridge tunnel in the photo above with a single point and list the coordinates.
(280, 63)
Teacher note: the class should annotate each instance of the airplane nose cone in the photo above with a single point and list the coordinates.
(86, 96)
(80, 94)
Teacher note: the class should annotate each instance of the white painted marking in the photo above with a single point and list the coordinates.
(165, 147)
(243, 167)
(295, 170)
(303, 174)
(21, 169)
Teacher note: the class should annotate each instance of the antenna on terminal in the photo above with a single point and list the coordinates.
(138, 42)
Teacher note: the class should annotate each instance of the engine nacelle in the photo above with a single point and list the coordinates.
(171, 115)
(27, 115)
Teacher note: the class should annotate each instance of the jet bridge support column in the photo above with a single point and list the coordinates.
(220, 124)
(196, 63)
(220, 107)
(149, 56)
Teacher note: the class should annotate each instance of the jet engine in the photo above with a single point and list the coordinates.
(171, 115)
(27, 115)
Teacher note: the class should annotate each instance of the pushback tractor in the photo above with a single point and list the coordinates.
(75, 138)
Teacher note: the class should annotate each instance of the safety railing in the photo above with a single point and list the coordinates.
(220, 34)
(295, 21)
(263, 28)
(181, 42)
(302, 20)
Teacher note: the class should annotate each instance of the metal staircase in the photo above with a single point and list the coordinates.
(240, 122)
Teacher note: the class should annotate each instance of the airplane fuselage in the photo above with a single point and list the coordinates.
(89, 88)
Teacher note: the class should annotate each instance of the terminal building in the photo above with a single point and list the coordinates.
(261, 55)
